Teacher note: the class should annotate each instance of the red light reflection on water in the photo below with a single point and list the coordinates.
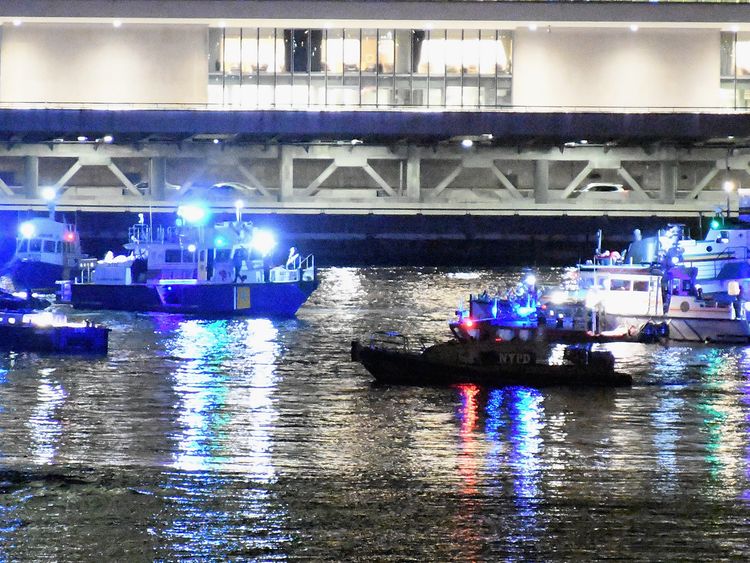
(467, 461)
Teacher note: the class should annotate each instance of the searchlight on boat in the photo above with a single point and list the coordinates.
(27, 229)
(264, 242)
(193, 213)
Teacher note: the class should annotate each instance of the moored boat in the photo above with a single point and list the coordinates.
(524, 309)
(49, 333)
(194, 268)
(389, 357)
(46, 251)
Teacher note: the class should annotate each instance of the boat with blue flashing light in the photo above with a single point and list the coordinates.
(47, 251)
(392, 359)
(46, 332)
(196, 268)
(525, 310)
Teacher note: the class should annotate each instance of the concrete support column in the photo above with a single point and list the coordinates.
(157, 177)
(413, 166)
(541, 181)
(31, 176)
(286, 174)
(668, 189)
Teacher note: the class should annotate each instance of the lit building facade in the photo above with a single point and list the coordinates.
(403, 83)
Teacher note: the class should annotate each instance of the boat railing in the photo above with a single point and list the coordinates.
(144, 233)
(394, 341)
(307, 267)
(87, 265)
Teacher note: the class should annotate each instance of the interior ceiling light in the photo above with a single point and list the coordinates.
(532, 27)
(633, 27)
(17, 22)
(116, 23)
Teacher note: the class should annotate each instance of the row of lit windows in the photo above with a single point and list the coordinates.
(253, 51)
(259, 67)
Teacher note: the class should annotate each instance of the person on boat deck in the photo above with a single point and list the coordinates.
(292, 261)
(238, 258)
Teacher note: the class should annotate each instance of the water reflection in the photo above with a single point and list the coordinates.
(722, 420)
(224, 383)
(200, 389)
(666, 419)
(45, 427)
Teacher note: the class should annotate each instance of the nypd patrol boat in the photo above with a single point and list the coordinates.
(197, 268)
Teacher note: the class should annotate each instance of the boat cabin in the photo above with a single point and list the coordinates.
(221, 253)
(45, 240)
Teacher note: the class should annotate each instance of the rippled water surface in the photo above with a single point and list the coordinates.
(255, 439)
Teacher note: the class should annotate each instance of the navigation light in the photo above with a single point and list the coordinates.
(714, 223)
(70, 236)
(219, 242)
(191, 248)
(468, 323)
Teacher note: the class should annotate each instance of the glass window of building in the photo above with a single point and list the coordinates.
(735, 70)
(249, 52)
(369, 51)
(453, 52)
(386, 54)
(266, 67)
(351, 56)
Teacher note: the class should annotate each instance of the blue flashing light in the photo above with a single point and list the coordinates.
(264, 242)
(526, 311)
(220, 242)
(195, 213)
(714, 224)
(494, 309)
(27, 229)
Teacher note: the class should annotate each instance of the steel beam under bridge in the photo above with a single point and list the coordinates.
(158, 164)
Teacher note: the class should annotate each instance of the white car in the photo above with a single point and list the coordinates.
(604, 190)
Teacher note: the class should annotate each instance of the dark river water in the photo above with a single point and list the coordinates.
(253, 439)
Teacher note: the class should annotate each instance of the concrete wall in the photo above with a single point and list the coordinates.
(132, 64)
(618, 68)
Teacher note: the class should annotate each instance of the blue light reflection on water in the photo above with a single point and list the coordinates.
(225, 382)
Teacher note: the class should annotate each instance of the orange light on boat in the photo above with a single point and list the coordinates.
(70, 236)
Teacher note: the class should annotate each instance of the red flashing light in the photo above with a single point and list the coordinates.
(70, 236)
(468, 323)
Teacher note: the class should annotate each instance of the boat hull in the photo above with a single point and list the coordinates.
(35, 275)
(57, 340)
(272, 299)
(687, 329)
(404, 368)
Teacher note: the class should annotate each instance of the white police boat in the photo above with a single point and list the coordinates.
(46, 251)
